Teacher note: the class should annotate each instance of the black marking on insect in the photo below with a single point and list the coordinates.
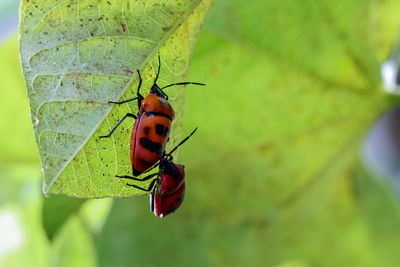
(150, 114)
(146, 131)
(150, 145)
(159, 129)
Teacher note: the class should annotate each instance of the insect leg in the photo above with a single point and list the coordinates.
(127, 115)
(144, 189)
(152, 200)
(139, 96)
(152, 167)
(138, 179)
(122, 102)
(183, 141)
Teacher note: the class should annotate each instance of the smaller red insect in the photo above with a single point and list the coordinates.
(168, 188)
(152, 125)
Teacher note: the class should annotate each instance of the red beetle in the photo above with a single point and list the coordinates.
(168, 188)
(152, 125)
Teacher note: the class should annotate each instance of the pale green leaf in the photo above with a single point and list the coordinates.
(74, 246)
(56, 211)
(77, 56)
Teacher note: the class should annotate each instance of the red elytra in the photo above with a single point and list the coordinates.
(168, 194)
(167, 190)
(152, 125)
(150, 133)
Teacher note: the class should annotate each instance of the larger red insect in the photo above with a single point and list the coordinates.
(168, 188)
(152, 125)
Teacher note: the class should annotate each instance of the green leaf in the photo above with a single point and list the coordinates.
(386, 27)
(56, 210)
(379, 203)
(290, 112)
(18, 143)
(293, 86)
(26, 244)
(94, 213)
(77, 56)
(133, 235)
(74, 246)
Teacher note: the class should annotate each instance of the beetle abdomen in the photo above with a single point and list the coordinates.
(150, 133)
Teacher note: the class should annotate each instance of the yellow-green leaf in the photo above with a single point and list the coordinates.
(77, 56)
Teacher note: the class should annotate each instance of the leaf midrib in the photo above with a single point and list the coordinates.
(129, 83)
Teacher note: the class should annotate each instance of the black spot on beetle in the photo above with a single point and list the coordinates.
(159, 129)
(146, 131)
(151, 146)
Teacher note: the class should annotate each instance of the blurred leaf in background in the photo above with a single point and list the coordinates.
(20, 198)
(23, 240)
(292, 89)
(18, 142)
(273, 174)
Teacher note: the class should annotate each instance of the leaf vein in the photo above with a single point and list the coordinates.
(47, 12)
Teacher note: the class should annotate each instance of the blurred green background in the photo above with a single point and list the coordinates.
(274, 176)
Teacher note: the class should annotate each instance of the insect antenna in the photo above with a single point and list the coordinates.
(159, 67)
(183, 141)
(183, 83)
